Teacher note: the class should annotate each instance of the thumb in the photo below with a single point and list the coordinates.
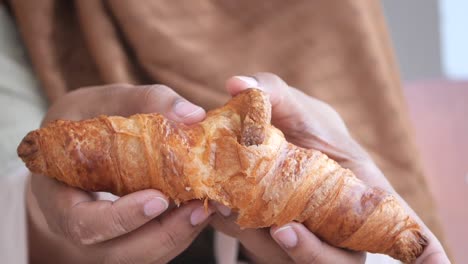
(293, 111)
(305, 121)
(304, 247)
(125, 100)
(281, 96)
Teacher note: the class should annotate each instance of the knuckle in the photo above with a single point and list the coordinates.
(156, 97)
(112, 90)
(121, 224)
(276, 81)
(169, 240)
(75, 232)
(120, 85)
(302, 126)
(300, 129)
(157, 89)
(270, 76)
(312, 257)
(277, 86)
(331, 110)
(327, 111)
(57, 223)
(116, 258)
(64, 227)
(101, 92)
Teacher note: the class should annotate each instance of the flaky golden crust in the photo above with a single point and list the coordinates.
(235, 157)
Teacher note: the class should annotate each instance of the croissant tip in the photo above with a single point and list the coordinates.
(410, 246)
(28, 146)
(28, 151)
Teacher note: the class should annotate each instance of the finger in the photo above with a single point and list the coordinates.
(437, 256)
(261, 248)
(54, 198)
(288, 103)
(161, 239)
(96, 221)
(279, 92)
(73, 214)
(255, 241)
(125, 100)
(304, 120)
(304, 247)
(221, 209)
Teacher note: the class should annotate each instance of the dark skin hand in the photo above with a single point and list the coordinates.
(67, 225)
(310, 123)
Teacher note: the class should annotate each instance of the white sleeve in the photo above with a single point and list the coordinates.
(21, 110)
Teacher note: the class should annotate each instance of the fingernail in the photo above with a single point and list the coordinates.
(186, 109)
(222, 209)
(286, 236)
(199, 215)
(248, 81)
(155, 206)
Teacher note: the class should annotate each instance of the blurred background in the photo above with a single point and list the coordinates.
(430, 38)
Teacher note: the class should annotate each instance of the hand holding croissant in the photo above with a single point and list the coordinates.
(234, 157)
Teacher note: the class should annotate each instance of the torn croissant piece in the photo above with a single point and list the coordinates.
(235, 157)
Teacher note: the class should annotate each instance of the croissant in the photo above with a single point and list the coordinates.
(235, 157)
